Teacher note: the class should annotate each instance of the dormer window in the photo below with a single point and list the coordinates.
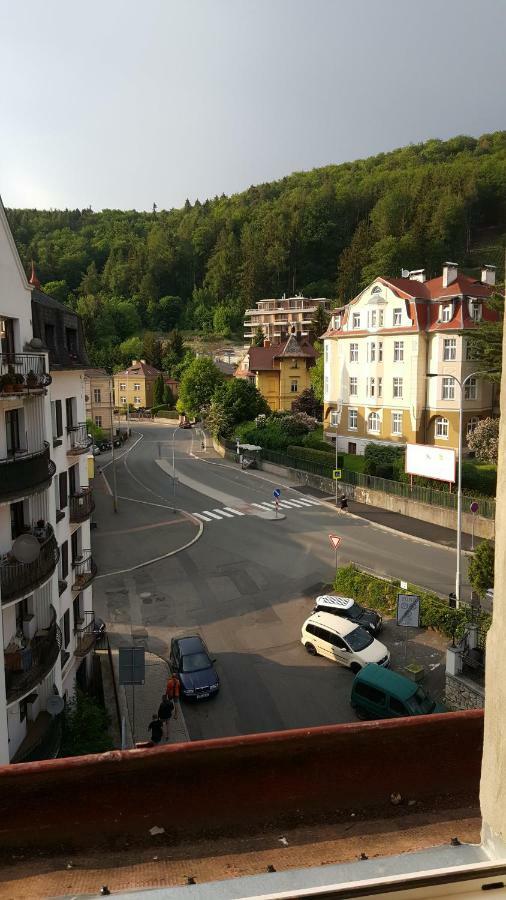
(355, 320)
(475, 310)
(336, 322)
(446, 312)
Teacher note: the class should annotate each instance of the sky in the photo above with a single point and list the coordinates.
(123, 103)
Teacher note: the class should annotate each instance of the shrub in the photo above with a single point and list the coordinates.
(484, 440)
(382, 461)
(310, 454)
(307, 402)
(481, 568)
(315, 440)
(299, 423)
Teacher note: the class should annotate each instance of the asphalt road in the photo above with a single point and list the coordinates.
(248, 583)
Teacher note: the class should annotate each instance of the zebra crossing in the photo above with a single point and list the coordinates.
(229, 512)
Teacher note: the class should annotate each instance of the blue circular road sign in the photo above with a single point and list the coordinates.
(276, 493)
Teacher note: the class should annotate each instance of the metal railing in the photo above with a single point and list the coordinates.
(85, 570)
(26, 370)
(17, 579)
(86, 635)
(81, 505)
(27, 666)
(79, 439)
(23, 472)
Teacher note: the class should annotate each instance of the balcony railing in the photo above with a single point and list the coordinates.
(86, 635)
(17, 579)
(25, 667)
(23, 373)
(81, 505)
(23, 473)
(79, 440)
(84, 571)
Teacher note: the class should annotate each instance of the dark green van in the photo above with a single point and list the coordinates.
(379, 693)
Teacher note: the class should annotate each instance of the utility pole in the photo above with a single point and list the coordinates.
(114, 483)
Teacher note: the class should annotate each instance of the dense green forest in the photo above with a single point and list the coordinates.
(325, 233)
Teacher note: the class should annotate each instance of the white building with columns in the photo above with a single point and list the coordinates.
(46, 568)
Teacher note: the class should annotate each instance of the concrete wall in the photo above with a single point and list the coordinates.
(462, 693)
(239, 784)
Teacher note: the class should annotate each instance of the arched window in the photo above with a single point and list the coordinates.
(442, 426)
(373, 422)
(471, 425)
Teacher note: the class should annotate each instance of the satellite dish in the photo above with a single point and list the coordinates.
(26, 548)
(55, 705)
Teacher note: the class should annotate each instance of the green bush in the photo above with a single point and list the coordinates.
(315, 440)
(382, 461)
(481, 479)
(164, 412)
(308, 453)
(381, 595)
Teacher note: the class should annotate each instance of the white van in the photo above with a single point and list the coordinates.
(348, 644)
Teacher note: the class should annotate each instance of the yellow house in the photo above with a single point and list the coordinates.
(281, 371)
(135, 386)
(98, 398)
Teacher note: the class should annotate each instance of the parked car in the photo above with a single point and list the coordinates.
(190, 658)
(104, 446)
(324, 634)
(351, 610)
(95, 450)
(185, 424)
(378, 693)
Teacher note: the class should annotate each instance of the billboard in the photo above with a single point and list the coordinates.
(430, 462)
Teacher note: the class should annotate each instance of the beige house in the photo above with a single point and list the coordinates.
(279, 318)
(98, 395)
(380, 348)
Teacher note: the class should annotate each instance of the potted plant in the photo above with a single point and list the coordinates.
(31, 380)
(7, 381)
(19, 382)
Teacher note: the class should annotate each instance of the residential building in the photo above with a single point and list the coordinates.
(380, 348)
(98, 397)
(277, 318)
(135, 386)
(45, 504)
(227, 369)
(281, 371)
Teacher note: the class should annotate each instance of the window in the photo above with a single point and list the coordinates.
(352, 448)
(397, 317)
(294, 385)
(137, 387)
(137, 401)
(76, 610)
(74, 543)
(353, 387)
(353, 352)
(66, 628)
(73, 479)
(356, 320)
(446, 312)
(370, 693)
(372, 316)
(64, 560)
(122, 387)
(471, 389)
(97, 395)
(12, 431)
(471, 425)
(17, 519)
(56, 418)
(334, 418)
(69, 411)
(380, 387)
(371, 352)
(371, 387)
(71, 340)
(381, 318)
(448, 388)
(442, 426)
(380, 351)
(98, 421)
(475, 311)
(373, 422)
(397, 423)
(353, 419)
(326, 351)
(397, 388)
(62, 489)
(376, 289)
(398, 351)
(123, 401)
(449, 349)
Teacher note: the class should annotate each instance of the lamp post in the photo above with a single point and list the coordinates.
(461, 385)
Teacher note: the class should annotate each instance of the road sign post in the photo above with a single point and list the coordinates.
(474, 509)
(408, 614)
(337, 474)
(132, 670)
(276, 494)
(335, 540)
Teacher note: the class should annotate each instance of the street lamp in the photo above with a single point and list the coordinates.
(461, 385)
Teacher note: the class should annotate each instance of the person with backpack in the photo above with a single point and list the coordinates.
(344, 503)
(165, 711)
(156, 729)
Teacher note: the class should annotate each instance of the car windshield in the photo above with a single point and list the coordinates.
(358, 639)
(420, 702)
(195, 661)
(356, 610)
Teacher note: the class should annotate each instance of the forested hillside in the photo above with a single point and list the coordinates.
(324, 232)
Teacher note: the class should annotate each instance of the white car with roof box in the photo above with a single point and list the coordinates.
(349, 609)
(344, 642)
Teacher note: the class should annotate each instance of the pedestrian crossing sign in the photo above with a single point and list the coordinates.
(337, 474)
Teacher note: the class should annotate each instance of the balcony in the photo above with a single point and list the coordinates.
(25, 667)
(42, 741)
(86, 636)
(85, 570)
(22, 473)
(17, 579)
(79, 440)
(81, 505)
(22, 373)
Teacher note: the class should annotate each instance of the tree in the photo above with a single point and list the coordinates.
(57, 289)
(158, 391)
(96, 432)
(484, 440)
(485, 342)
(218, 418)
(85, 724)
(316, 375)
(243, 400)
(129, 350)
(152, 349)
(222, 321)
(320, 321)
(198, 385)
(258, 338)
(481, 568)
(168, 397)
(308, 402)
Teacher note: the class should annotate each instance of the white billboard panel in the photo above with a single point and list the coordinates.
(430, 462)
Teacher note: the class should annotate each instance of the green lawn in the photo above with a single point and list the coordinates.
(354, 463)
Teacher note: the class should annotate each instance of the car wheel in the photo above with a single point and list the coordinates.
(355, 667)
(311, 649)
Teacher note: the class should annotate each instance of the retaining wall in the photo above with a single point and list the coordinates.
(462, 693)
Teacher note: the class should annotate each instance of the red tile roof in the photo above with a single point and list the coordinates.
(141, 368)
(261, 359)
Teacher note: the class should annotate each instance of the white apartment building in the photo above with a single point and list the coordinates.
(277, 318)
(46, 567)
(380, 348)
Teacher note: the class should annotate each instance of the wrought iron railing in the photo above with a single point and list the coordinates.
(22, 472)
(17, 579)
(23, 372)
(85, 570)
(81, 505)
(86, 635)
(79, 439)
(26, 667)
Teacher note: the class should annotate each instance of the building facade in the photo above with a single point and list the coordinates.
(135, 386)
(98, 398)
(45, 506)
(380, 349)
(277, 318)
(280, 371)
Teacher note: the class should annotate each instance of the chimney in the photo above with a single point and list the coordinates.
(267, 342)
(488, 275)
(450, 272)
(417, 275)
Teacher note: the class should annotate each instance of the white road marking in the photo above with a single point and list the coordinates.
(223, 513)
(203, 518)
(234, 511)
(207, 512)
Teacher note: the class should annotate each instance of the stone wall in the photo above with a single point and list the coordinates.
(462, 693)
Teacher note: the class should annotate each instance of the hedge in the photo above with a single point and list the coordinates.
(162, 411)
(308, 453)
(381, 595)
(316, 442)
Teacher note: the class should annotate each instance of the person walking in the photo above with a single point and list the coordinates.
(173, 689)
(156, 729)
(344, 503)
(165, 711)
